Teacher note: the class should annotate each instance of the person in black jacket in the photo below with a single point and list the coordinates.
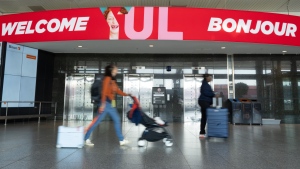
(205, 100)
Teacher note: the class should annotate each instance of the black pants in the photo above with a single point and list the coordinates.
(204, 105)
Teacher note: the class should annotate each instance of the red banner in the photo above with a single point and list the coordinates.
(151, 23)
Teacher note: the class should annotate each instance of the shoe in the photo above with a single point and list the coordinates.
(141, 143)
(88, 142)
(169, 143)
(202, 135)
(124, 142)
(159, 121)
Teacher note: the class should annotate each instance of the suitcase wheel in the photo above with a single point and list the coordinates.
(165, 140)
(141, 143)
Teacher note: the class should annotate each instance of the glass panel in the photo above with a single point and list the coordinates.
(287, 94)
(285, 66)
(245, 78)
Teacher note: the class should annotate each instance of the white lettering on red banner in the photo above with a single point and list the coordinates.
(266, 27)
(53, 25)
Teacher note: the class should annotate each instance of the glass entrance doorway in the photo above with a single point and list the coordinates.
(181, 96)
(139, 85)
(77, 101)
(192, 84)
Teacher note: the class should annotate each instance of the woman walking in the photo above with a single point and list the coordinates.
(205, 100)
(108, 105)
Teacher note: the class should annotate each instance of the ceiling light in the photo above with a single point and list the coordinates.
(80, 46)
(284, 51)
(151, 46)
(223, 47)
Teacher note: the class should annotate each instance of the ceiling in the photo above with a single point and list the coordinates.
(17, 6)
(142, 46)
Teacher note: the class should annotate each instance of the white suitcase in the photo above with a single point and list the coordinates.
(70, 137)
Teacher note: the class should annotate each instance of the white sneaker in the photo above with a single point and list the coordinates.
(88, 142)
(124, 142)
(159, 121)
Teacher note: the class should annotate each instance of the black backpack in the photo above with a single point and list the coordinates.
(96, 90)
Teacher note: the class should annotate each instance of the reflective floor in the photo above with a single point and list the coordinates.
(32, 145)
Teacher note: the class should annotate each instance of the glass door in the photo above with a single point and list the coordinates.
(139, 85)
(192, 84)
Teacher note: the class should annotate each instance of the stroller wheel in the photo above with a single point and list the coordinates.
(141, 143)
(169, 143)
(164, 140)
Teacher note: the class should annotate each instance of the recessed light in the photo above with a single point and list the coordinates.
(223, 47)
(284, 51)
(151, 46)
(80, 46)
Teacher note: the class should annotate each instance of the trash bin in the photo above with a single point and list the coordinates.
(235, 111)
(246, 110)
(256, 112)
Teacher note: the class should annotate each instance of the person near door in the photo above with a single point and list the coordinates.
(205, 100)
(108, 105)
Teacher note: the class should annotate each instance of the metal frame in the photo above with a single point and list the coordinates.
(25, 116)
(230, 72)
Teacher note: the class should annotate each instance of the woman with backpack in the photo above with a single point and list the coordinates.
(107, 105)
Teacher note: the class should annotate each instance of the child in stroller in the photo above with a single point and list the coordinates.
(155, 128)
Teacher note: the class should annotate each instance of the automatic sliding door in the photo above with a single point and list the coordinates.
(139, 85)
(192, 84)
(77, 101)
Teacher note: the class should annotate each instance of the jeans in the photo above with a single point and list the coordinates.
(115, 117)
(204, 105)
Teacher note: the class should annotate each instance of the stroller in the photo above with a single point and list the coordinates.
(155, 130)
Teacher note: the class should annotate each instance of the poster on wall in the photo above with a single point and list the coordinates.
(19, 76)
(158, 95)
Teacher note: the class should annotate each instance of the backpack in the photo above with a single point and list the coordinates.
(96, 90)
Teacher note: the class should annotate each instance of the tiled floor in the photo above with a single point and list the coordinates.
(32, 146)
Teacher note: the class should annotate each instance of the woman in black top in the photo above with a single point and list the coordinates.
(205, 100)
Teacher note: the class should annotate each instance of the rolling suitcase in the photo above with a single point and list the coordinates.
(70, 137)
(217, 121)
